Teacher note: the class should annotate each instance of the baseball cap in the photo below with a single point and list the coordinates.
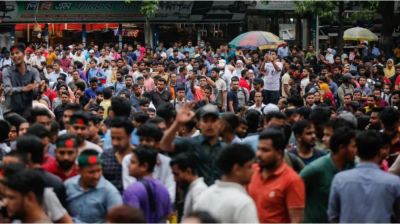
(209, 109)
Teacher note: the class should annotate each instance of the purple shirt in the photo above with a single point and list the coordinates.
(136, 196)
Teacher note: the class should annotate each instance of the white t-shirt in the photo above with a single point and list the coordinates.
(195, 189)
(228, 202)
(272, 77)
(303, 83)
(254, 107)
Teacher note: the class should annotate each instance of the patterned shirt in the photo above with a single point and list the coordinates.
(112, 169)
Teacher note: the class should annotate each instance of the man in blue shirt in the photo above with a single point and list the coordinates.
(90, 93)
(90, 195)
(366, 193)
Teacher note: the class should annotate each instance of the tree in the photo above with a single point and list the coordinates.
(335, 11)
(148, 8)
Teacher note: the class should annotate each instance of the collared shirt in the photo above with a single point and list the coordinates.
(316, 154)
(53, 168)
(91, 206)
(136, 195)
(112, 169)
(274, 196)
(162, 171)
(228, 202)
(195, 189)
(15, 99)
(205, 155)
(363, 194)
(317, 177)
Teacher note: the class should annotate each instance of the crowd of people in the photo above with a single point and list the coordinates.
(199, 134)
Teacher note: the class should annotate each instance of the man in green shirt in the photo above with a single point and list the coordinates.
(318, 175)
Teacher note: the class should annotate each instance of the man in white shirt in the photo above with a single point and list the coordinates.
(227, 200)
(258, 105)
(272, 68)
(186, 177)
(80, 57)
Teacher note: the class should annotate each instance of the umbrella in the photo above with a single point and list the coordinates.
(359, 34)
(256, 39)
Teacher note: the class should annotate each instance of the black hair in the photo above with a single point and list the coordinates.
(143, 101)
(38, 130)
(341, 137)
(291, 111)
(125, 214)
(215, 69)
(19, 46)
(38, 112)
(140, 117)
(151, 131)
(25, 181)
(72, 106)
(81, 86)
(155, 120)
(184, 161)
(4, 130)
(31, 145)
(231, 121)
(234, 154)
(166, 111)
(122, 122)
(146, 155)
(120, 106)
(389, 117)
(80, 115)
(305, 112)
(368, 144)
(277, 136)
(320, 115)
(14, 120)
(107, 92)
(253, 118)
(274, 114)
(298, 127)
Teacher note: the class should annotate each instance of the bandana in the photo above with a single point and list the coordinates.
(78, 120)
(88, 160)
(67, 143)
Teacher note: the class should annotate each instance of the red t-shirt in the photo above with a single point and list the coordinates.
(243, 83)
(277, 194)
(53, 168)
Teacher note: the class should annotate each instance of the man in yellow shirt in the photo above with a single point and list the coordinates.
(106, 103)
(51, 56)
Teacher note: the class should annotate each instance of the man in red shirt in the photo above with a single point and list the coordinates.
(277, 189)
(64, 165)
(243, 82)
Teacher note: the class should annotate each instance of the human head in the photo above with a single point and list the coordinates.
(121, 129)
(66, 151)
(343, 143)
(41, 116)
(31, 147)
(120, 107)
(24, 191)
(369, 145)
(270, 149)
(79, 125)
(90, 169)
(125, 214)
(183, 169)
(17, 54)
(304, 132)
(150, 135)
(209, 121)
(236, 161)
(143, 161)
(69, 109)
(274, 118)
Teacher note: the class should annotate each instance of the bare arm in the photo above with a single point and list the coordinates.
(224, 93)
(296, 215)
(210, 82)
(65, 219)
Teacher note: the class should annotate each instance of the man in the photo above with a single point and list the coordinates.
(352, 188)
(304, 132)
(90, 93)
(75, 80)
(20, 81)
(65, 156)
(258, 102)
(275, 187)
(318, 175)
(41, 116)
(148, 194)
(220, 89)
(69, 110)
(119, 84)
(57, 70)
(272, 68)
(229, 123)
(160, 95)
(186, 177)
(79, 126)
(345, 87)
(90, 195)
(24, 193)
(180, 99)
(258, 87)
(237, 97)
(150, 136)
(204, 147)
(59, 110)
(347, 103)
(121, 129)
(227, 200)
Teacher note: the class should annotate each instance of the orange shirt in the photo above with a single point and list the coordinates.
(276, 194)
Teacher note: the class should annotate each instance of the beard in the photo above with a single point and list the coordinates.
(65, 165)
(268, 166)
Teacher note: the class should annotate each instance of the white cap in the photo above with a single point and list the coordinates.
(270, 108)
(91, 51)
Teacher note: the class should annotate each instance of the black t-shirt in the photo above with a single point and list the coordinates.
(52, 181)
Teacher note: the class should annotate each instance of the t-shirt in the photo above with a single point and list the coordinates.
(219, 89)
(316, 154)
(285, 81)
(274, 196)
(272, 77)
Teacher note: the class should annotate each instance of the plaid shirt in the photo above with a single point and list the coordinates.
(112, 169)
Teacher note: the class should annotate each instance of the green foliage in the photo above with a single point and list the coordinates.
(147, 7)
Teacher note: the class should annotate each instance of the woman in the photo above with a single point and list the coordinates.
(327, 96)
(389, 70)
